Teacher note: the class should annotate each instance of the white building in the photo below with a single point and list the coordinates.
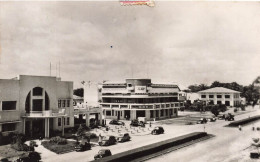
(139, 98)
(35, 105)
(220, 95)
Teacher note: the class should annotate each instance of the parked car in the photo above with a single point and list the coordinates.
(108, 140)
(83, 147)
(229, 117)
(157, 130)
(123, 137)
(202, 121)
(116, 122)
(221, 117)
(212, 119)
(136, 123)
(102, 153)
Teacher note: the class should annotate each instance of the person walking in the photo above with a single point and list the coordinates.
(239, 127)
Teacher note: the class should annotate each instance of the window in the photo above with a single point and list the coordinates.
(108, 113)
(68, 103)
(112, 112)
(68, 121)
(37, 91)
(162, 111)
(8, 127)
(9, 105)
(64, 121)
(59, 122)
(59, 103)
(203, 96)
(211, 96)
(219, 96)
(227, 96)
(63, 103)
(175, 111)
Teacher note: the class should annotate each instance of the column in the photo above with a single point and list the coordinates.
(87, 119)
(31, 128)
(100, 118)
(48, 128)
(147, 114)
(45, 128)
(133, 114)
(62, 124)
(24, 123)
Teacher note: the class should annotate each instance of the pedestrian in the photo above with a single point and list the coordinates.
(150, 124)
(239, 127)
(40, 138)
(99, 139)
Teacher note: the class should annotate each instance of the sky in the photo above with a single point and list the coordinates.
(181, 42)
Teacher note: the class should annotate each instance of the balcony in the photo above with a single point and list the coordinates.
(46, 113)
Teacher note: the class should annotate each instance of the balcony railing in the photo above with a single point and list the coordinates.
(46, 113)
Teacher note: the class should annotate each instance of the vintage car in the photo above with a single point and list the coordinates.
(108, 140)
(123, 137)
(102, 153)
(157, 130)
(202, 121)
(83, 147)
(136, 123)
(116, 122)
(211, 119)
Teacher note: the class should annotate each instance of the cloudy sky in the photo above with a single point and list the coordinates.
(182, 42)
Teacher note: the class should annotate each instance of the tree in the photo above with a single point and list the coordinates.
(80, 132)
(79, 92)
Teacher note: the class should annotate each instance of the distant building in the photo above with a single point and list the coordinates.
(78, 102)
(256, 83)
(35, 105)
(220, 95)
(139, 98)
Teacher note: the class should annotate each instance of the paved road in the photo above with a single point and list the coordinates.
(226, 142)
(227, 145)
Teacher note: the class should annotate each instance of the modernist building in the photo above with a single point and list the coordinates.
(220, 95)
(139, 98)
(35, 105)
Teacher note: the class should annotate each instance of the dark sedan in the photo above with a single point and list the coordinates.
(116, 122)
(102, 153)
(157, 130)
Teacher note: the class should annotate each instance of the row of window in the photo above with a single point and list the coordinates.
(66, 121)
(116, 113)
(212, 96)
(63, 103)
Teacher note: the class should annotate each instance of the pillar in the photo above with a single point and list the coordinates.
(133, 114)
(87, 119)
(24, 123)
(62, 124)
(31, 128)
(147, 114)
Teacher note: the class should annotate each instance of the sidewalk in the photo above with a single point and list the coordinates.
(45, 153)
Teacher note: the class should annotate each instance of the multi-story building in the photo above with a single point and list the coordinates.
(220, 95)
(139, 98)
(35, 105)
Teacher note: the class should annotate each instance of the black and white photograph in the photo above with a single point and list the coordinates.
(129, 81)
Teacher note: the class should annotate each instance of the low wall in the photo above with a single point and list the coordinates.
(244, 121)
(153, 148)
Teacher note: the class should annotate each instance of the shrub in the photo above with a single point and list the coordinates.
(58, 140)
(21, 147)
(243, 108)
(91, 135)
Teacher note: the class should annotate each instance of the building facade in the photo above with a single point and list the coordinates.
(35, 105)
(220, 95)
(139, 98)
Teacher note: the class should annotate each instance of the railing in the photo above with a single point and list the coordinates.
(46, 113)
